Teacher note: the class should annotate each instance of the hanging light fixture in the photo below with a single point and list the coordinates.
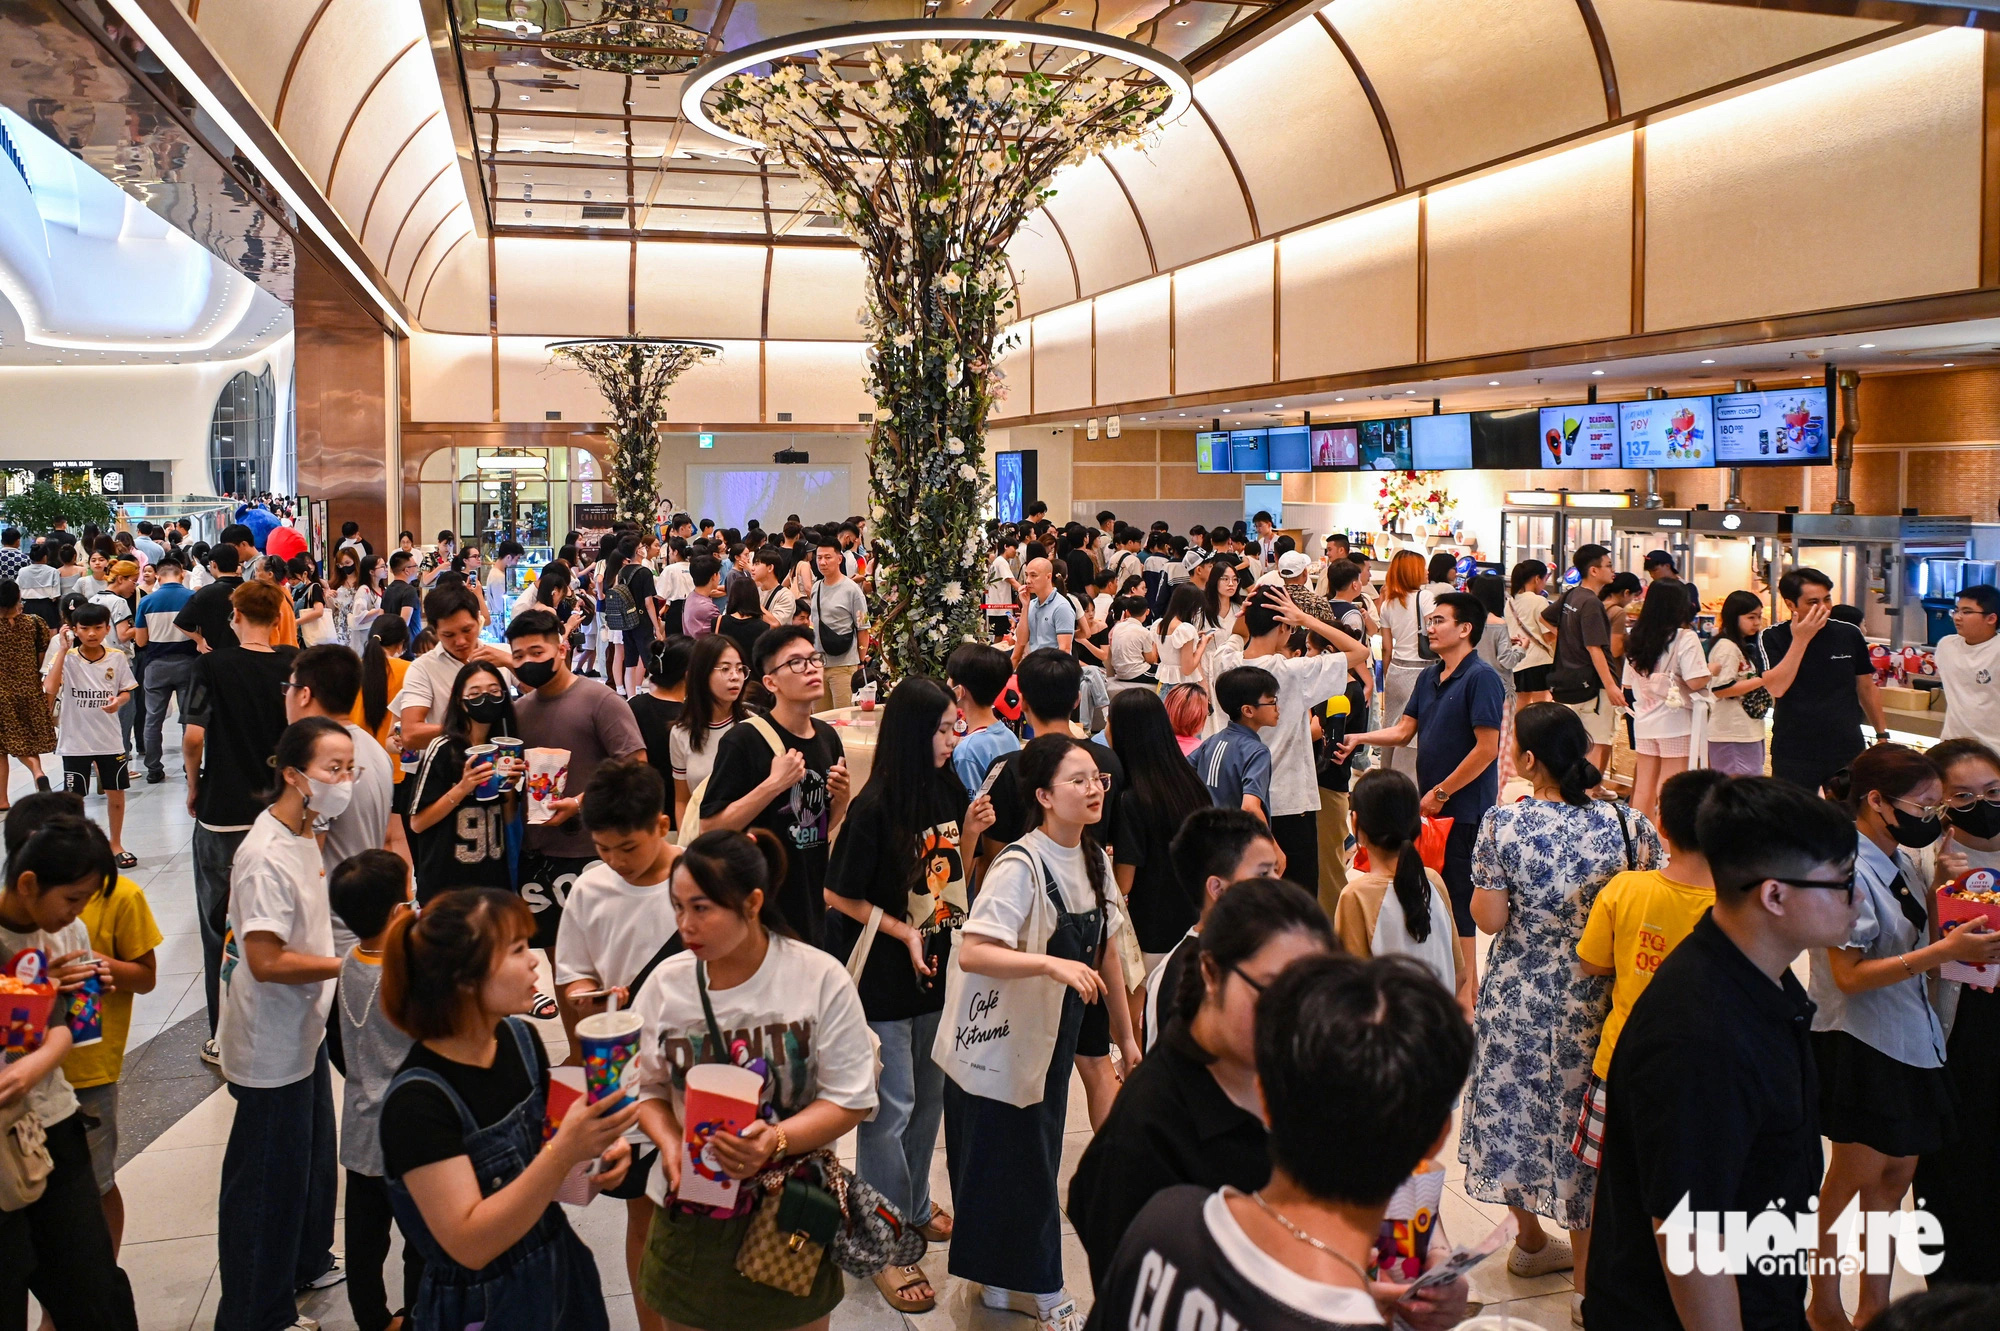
(629, 37)
(513, 459)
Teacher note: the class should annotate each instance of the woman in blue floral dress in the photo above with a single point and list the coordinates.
(1536, 868)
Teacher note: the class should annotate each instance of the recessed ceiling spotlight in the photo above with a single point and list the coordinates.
(1277, 404)
(1184, 415)
(1180, 23)
(1065, 13)
(1340, 399)
(1409, 392)
(525, 97)
(1948, 364)
(1709, 361)
(1866, 345)
(1597, 372)
(1492, 383)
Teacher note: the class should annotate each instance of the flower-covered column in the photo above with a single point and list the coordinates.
(932, 165)
(634, 375)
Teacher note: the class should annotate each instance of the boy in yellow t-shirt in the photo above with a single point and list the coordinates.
(1637, 919)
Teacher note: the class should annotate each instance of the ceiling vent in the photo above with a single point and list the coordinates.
(602, 212)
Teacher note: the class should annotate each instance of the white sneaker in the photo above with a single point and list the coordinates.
(327, 1279)
(1061, 1317)
(1576, 1310)
(1554, 1255)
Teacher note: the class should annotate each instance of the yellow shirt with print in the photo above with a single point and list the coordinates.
(1637, 919)
(121, 926)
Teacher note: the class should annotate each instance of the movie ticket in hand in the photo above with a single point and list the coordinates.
(1463, 1260)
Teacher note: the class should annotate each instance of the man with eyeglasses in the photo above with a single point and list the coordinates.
(1823, 682)
(1713, 1095)
(1968, 665)
(787, 774)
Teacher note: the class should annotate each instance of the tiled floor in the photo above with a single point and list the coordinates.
(175, 1122)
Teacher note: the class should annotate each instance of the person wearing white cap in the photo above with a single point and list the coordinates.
(1290, 569)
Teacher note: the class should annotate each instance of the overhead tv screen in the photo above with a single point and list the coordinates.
(1505, 440)
(1249, 451)
(1667, 432)
(1580, 436)
(1211, 451)
(1291, 448)
(1336, 447)
(1385, 445)
(1788, 427)
(1441, 443)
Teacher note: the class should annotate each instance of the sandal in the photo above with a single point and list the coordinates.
(127, 860)
(896, 1282)
(937, 1228)
(544, 1008)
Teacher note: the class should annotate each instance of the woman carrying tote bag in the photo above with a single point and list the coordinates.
(1032, 953)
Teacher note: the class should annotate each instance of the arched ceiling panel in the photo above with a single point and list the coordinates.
(1301, 128)
(351, 44)
(256, 38)
(453, 227)
(1102, 230)
(413, 173)
(1186, 190)
(1665, 49)
(700, 290)
(563, 288)
(1041, 265)
(1468, 81)
(816, 293)
(454, 298)
(431, 209)
(401, 104)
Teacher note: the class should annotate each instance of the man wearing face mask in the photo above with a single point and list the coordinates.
(453, 612)
(235, 713)
(1885, 1098)
(325, 681)
(561, 710)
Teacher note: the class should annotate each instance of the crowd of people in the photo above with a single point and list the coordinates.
(1210, 828)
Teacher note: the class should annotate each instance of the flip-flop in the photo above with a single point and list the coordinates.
(895, 1282)
(127, 860)
(937, 1228)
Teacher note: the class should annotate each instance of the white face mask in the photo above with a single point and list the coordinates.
(329, 799)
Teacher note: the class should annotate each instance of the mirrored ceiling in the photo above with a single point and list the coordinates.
(575, 104)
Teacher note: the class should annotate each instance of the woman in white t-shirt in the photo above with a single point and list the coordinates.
(274, 1222)
(57, 863)
(1664, 670)
(745, 990)
(1406, 604)
(1736, 666)
(1525, 603)
(1182, 640)
(714, 704)
(1046, 912)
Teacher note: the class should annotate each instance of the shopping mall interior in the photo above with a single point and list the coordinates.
(1497, 277)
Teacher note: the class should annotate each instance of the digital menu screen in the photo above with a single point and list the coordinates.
(1336, 448)
(1505, 440)
(1211, 451)
(1249, 451)
(1580, 436)
(1668, 432)
(1385, 445)
(1291, 448)
(1441, 443)
(1789, 427)
(1007, 486)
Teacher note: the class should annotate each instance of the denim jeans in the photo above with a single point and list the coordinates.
(274, 1217)
(894, 1152)
(166, 677)
(213, 852)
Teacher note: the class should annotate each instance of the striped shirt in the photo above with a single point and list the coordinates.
(157, 610)
(1233, 763)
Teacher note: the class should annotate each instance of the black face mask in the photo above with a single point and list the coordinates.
(1981, 820)
(486, 709)
(1914, 832)
(537, 673)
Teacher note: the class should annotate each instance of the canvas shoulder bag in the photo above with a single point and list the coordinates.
(691, 825)
(996, 1036)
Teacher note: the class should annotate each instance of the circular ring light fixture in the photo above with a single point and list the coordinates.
(713, 348)
(704, 80)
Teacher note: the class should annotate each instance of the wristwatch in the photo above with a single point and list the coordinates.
(1443, 795)
(1882, 736)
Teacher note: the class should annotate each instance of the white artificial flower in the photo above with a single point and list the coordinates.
(992, 162)
(893, 66)
(939, 106)
(968, 472)
(904, 339)
(953, 593)
(954, 445)
(951, 282)
(883, 413)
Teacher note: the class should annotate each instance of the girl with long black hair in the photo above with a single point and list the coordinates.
(1736, 667)
(1161, 790)
(1045, 914)
(1664, 669)
(458, 839)
(1399, 905)
(902, 860)
(713, 706)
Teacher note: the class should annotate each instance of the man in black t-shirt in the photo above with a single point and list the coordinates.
(400, 596)
(1050, 681)
(235, 713)
(1823, 682)
(206, 615)
(1360, 1063)
(1712, 1103)
(800, 794)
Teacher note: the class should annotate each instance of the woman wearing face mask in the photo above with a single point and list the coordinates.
(1953, 1180)
(274, 1218)
(458, 839)
(366, 600)
(1884, 1096)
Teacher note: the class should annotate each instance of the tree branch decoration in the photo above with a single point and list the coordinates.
(1409, 497)
(932, 164)
(634, 375)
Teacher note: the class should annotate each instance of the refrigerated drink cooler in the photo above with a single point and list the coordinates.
(1877, 562)
(1550, 525)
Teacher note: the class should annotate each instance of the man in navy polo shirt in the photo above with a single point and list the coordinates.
(1454, 714)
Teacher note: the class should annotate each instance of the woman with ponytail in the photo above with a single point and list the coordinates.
(1191, 1113)
(1399, 905)
(382, 669)
(745, 991)
(1884, 1095)
(1537, 867)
